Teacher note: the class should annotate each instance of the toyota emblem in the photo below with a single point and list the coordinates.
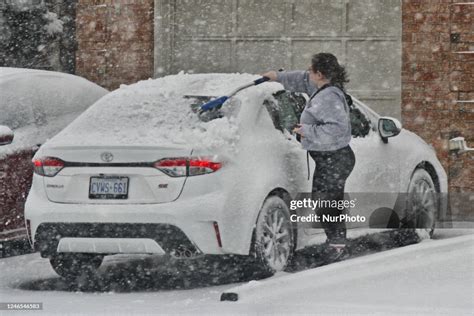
(107, 157)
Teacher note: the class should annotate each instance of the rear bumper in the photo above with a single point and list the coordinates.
(109, 245)
(187, 223)
(109, 238)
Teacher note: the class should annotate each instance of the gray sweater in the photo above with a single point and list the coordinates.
(325, 119)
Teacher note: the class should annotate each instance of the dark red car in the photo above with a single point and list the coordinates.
(34, 106)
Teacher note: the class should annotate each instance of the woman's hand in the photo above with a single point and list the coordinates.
(298, 130)
(271, 74)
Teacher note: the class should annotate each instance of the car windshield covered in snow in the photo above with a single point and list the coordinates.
(160, 111)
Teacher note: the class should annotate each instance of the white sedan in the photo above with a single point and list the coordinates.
(143, 171)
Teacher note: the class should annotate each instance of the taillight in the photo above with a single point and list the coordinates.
(182, 167)
(48, 166)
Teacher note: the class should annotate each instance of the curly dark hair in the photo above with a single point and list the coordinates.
(327, 64)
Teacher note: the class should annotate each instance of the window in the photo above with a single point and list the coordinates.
(360, 123)
(286, 112)
(230, 109)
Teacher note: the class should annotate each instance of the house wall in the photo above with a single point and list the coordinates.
(252, 36)
(438, 85)
(114, 41)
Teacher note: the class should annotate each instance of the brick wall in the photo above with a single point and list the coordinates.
(437, 76)
(115, 41)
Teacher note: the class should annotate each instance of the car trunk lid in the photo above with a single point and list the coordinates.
(113, 175)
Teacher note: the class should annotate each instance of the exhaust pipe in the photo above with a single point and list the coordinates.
(176, 254)
(183, 253)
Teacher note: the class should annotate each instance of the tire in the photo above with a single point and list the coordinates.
(74, 265)
(422, 205)
(273, 243)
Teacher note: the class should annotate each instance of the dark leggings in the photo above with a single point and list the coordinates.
(332, 170)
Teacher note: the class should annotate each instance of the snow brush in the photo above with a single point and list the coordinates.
(217, 103)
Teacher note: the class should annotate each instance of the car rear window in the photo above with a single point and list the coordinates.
(229, 108)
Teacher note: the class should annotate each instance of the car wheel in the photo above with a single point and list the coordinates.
(422, 204)
(74, 265)
(274, 238)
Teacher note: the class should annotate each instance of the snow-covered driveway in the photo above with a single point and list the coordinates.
(432, 277)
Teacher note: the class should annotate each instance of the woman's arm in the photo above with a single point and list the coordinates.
(296, 81)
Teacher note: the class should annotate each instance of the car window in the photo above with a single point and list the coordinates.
(360, 122)
(287, 109)
(299, 102)
(231, 108)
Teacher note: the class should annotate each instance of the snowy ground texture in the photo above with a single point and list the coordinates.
(434, 277)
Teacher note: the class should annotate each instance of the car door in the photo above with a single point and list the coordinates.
(285, 114)
(374, 181)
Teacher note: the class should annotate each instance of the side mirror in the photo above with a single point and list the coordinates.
(6, 135)
(389, 127)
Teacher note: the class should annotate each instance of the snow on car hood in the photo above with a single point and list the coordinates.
(155, 112)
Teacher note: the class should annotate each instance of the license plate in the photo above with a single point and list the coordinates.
(108, 188)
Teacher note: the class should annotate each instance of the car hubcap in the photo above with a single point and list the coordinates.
(275, 238)
(424, 205)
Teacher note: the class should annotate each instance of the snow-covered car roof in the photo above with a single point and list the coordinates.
(157, 111)
(36, 104)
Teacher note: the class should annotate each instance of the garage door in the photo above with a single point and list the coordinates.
(203, 36)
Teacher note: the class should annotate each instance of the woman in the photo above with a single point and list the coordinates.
(325, 132)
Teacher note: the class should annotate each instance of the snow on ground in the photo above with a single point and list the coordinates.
(434, 277)
(428, 278)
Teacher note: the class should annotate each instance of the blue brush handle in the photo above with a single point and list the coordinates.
(220, 101)
(261, 80)
(214, 103)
